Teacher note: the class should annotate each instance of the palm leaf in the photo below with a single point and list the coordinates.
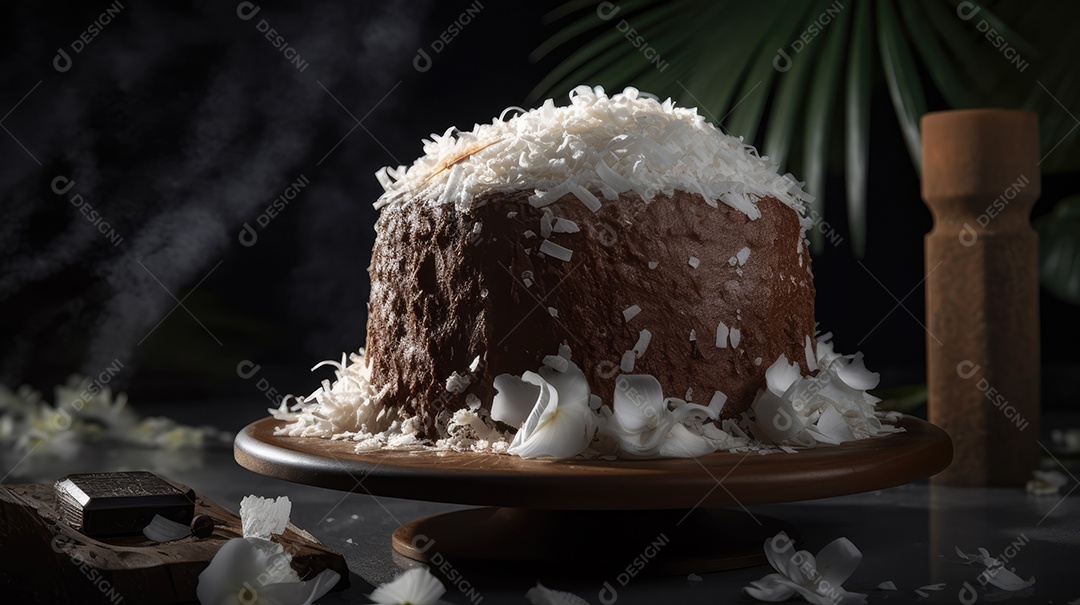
(857, 149)
(745, 117)
(819, 118)
(902, 79)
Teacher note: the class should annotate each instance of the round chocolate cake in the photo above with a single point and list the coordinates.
(615, 276)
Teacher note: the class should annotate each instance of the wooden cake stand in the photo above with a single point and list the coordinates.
(579, 515)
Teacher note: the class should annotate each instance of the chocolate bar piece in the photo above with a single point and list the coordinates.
(115, 504)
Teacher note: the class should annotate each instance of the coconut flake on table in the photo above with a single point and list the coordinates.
(694, 262)
(529, 233)
(630, 312)
(553, 312)
(642, 342)
(653, 264)
(555, 250)
(512, 214)
(735, 336)
(612, 145)
(742, 256)
(693, 335)
(264, 517)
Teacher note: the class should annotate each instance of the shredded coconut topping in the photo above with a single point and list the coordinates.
(626, 143)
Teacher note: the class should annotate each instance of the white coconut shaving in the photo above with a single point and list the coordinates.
(563, 225)
(554, 250)
(630, 312)
(626, 143)
(829, 407)
(694, 262)
(721, 335)
(642, 342)
(742, 256)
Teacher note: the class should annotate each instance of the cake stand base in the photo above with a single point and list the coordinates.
(662, 542)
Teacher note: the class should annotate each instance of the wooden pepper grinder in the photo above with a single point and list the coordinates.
(980, 178)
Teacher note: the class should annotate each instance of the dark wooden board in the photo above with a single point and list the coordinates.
(719, 479)
(42, 560)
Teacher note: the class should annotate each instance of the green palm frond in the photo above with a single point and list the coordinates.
(723, 56)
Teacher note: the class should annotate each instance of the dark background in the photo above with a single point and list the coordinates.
(180, 122)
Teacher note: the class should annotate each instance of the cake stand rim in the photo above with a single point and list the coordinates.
(718, 479)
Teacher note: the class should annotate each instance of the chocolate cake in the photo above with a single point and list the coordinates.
(613, 276)
(448, 285)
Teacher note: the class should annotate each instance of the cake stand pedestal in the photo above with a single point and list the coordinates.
(574, 514)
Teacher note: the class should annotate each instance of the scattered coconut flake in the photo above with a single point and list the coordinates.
(553, 311)
(529, 233)
(653, 264)
(887, 585)
(757, 361)
(718, 400)
(742, 255)
(457, 383)
(528, 282)
(732, 261)
(512, 214)
(161, 529)
(630, 312)
(736, 336)
(689, 394)
(693, 335)
(547, 223)
(642, 343)
(475, 364)
(694, 262)
(472, 401)
(556, 362)
(555, 250)
(264, 517)
(721, 335)
(811, 359)
(349, 541)
(627, 364)
(563, 225)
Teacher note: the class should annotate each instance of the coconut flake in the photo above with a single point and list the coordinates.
(653, 264)
(735, 336)
(555, 250)
(623, 143)
(693, 335)
(457, 383)
(694, 262)
(472, 401)
(642, 342)
(742, 256)
(721, 335)
(264, 517)
(563, 225)
(556, 362)
(627, 363)
(630, 312)
(553, 311)
(547, 223)
(161, 529)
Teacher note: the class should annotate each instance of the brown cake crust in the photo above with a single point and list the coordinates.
(444, 291)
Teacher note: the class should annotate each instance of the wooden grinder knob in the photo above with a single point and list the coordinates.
(980, 178)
